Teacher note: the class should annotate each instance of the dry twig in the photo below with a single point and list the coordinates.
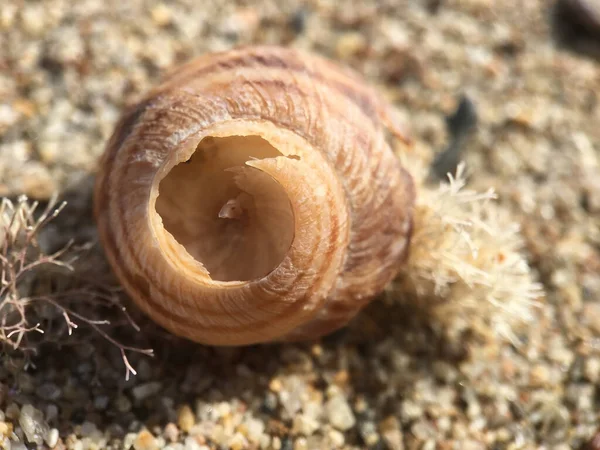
(28, 306)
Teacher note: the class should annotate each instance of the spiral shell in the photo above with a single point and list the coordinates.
(253, 197)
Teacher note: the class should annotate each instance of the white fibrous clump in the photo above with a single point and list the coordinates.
(466, 264)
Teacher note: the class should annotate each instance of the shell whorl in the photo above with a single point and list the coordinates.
(295, 143)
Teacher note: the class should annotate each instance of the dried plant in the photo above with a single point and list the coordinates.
(37, 288)
(466, 263)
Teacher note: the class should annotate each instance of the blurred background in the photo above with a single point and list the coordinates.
(511, 87)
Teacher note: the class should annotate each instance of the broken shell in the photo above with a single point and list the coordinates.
(253, 197)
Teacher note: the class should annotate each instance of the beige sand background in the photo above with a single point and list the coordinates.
(390, 380)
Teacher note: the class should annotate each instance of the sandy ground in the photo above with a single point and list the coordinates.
(391, 379)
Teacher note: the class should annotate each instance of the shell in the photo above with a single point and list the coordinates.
(254, 197)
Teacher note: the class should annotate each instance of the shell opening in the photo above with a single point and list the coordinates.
(234, 219)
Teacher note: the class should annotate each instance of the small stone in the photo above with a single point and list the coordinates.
(161, 15)
(270, 403)
(265, 441)
(123, 404)
(275, 385)
(336, 438)
(171, 432)
(33, 19)
(369, 433)
(7, 15)
(51, 412)
(423, 430)
(394, 439)
(444, 372)
(51, 437)
(146, 390)
(33, 425)
(255, 431)
(145, 441)
(128, 440)
(341, 378)
(317, 350)
(237, 442)
(185, 418)
(25, 107)
(8, 116)
(581, 395)
(192, 444)
(37, 181)
(539, 375)
(101, 402)
(223, 409)
(291, 393)
(300, 444)
(339, 413)
(411, 410)
(350, 44)
(304, 425)
(5, 429)
(88, 428)
(26, 383)
(12, 411)
(591, 369)
(591, 316)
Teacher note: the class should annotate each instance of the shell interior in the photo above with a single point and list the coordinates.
(236, 220)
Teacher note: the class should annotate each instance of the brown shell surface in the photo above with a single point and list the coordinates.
(352, 201)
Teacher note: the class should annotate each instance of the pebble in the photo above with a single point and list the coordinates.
(37, 182)
(411, 410)
(171, 432)
(392, 434)
(51, 437)
(33, 19)
(255, 429)
(161, 14)
(339, 413)
(368, 433)
(592, 369)
(32, 423)
(290, 393)
(128, 440)
(123, 404)
(185, 418)
(237, 442)
(336, 438)
(581, 395)
(270, 402)
(145, 441)
(88, 429)
(101, 402)
(26, 383)
(539, 376)
(304, 425)
(12, 411)
(276, 443)
(350, 44)
(5, 429)
(191, 443)
(301, 444)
